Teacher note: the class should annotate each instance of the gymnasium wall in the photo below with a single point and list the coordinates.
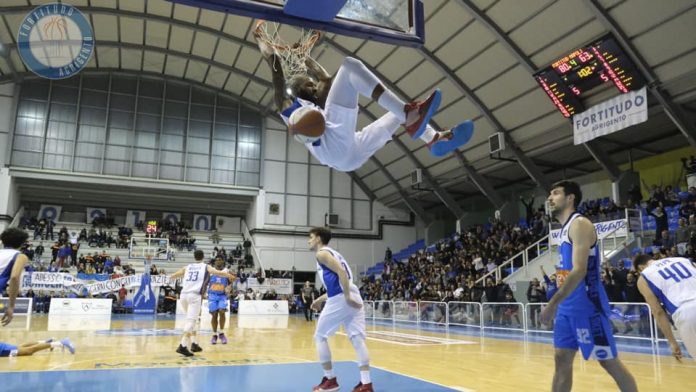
(6, 116)
(300, 191)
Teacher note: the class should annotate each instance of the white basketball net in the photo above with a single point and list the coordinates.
(292, 55)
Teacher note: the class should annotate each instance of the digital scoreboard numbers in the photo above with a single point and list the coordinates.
(603, 61)
(151, 228)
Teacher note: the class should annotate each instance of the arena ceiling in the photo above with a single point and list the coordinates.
(481, 53)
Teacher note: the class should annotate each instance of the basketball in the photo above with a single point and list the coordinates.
(307, 124)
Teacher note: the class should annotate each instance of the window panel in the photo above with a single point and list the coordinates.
(145, 155)
(88, 165)
(197, 160)
(145, 122)
(172, 158)
(28, 143)
(119, 168)
(120, 136)
(196, 175)
(60, 112)
(199, 112)
(61, 130)
(31, 109)
(121, 119)
(122, 102)
(171, 172)
(92, 116)
(57, 161)
(89, 150)
(144, 170)
(198, 145)
(174, 126)
(199, 129)
(225, 132)
(59, 147)
(149, 106)
(146, 139)
(26, 159)
(176, 109)
(89, 133)
(225, 149)
(221, 163)
(64, 94)
(118, 152)
(227, 116)
(171, 142)
(29, 127)
(223, 177)
(151, 88)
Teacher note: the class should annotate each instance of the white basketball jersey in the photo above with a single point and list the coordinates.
(7, 259)
(673, 281)
(194, 277)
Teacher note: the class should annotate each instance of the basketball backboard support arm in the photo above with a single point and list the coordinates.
(271, 11)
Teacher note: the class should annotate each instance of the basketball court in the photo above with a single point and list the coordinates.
(276, 353)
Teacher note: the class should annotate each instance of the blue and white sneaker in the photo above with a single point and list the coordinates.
(69, 345)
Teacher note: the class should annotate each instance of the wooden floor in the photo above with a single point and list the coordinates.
(458, 361)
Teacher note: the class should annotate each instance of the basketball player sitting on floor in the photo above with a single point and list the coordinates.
(340, 146)
(344, 306)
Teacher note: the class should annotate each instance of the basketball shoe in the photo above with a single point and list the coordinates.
(196, 348)
(183, 350)
(223, 338)
(214, 339)
(363, 388)
(425, 110)
(68, 344)
(327, 385)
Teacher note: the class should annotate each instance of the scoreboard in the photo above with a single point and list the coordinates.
(603, 61)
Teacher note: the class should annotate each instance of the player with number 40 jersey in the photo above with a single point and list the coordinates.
(669, 285)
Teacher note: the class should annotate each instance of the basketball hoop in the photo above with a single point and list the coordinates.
(292, 55)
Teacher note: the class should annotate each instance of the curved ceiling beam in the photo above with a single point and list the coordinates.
(440, 192)
(594, 149)
(527, 164)
(674, 112)
(412, 204)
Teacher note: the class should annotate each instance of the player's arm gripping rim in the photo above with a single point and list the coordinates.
(324, 79)
(327, 259)
(274, 61)
(660, 316)
(582, 234)
(13, 287)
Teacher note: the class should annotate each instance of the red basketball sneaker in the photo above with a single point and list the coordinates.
(327, 385)
(425, 110)
(363, 388)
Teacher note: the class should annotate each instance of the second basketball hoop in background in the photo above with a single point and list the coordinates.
(306, 124)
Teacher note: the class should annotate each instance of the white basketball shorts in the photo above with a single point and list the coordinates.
(191, 303)
(685, 321)
(337, 312)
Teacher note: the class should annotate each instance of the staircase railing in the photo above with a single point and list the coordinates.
(247, 236)
(537, 246)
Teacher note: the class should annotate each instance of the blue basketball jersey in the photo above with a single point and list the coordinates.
(218, 284)
(330, 278)
(589, 296)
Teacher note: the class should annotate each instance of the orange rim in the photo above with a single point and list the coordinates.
(263, 36)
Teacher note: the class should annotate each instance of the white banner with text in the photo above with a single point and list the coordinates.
(610, 116)
(603, 230)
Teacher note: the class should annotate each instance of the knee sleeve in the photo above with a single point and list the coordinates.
(323, 349)
(361, 349)
(361, 78)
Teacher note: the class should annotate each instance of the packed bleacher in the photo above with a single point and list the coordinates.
(449, 269)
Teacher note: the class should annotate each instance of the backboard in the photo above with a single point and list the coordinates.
(155, 248)
(397, 22)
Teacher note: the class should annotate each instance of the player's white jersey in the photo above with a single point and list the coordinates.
(673, 281)
(330, 278)
(7, 260)
(194, 277)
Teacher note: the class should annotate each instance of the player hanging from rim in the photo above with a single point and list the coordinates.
(218, 289)
(194, 275)
(341, 147)
(9, 350)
